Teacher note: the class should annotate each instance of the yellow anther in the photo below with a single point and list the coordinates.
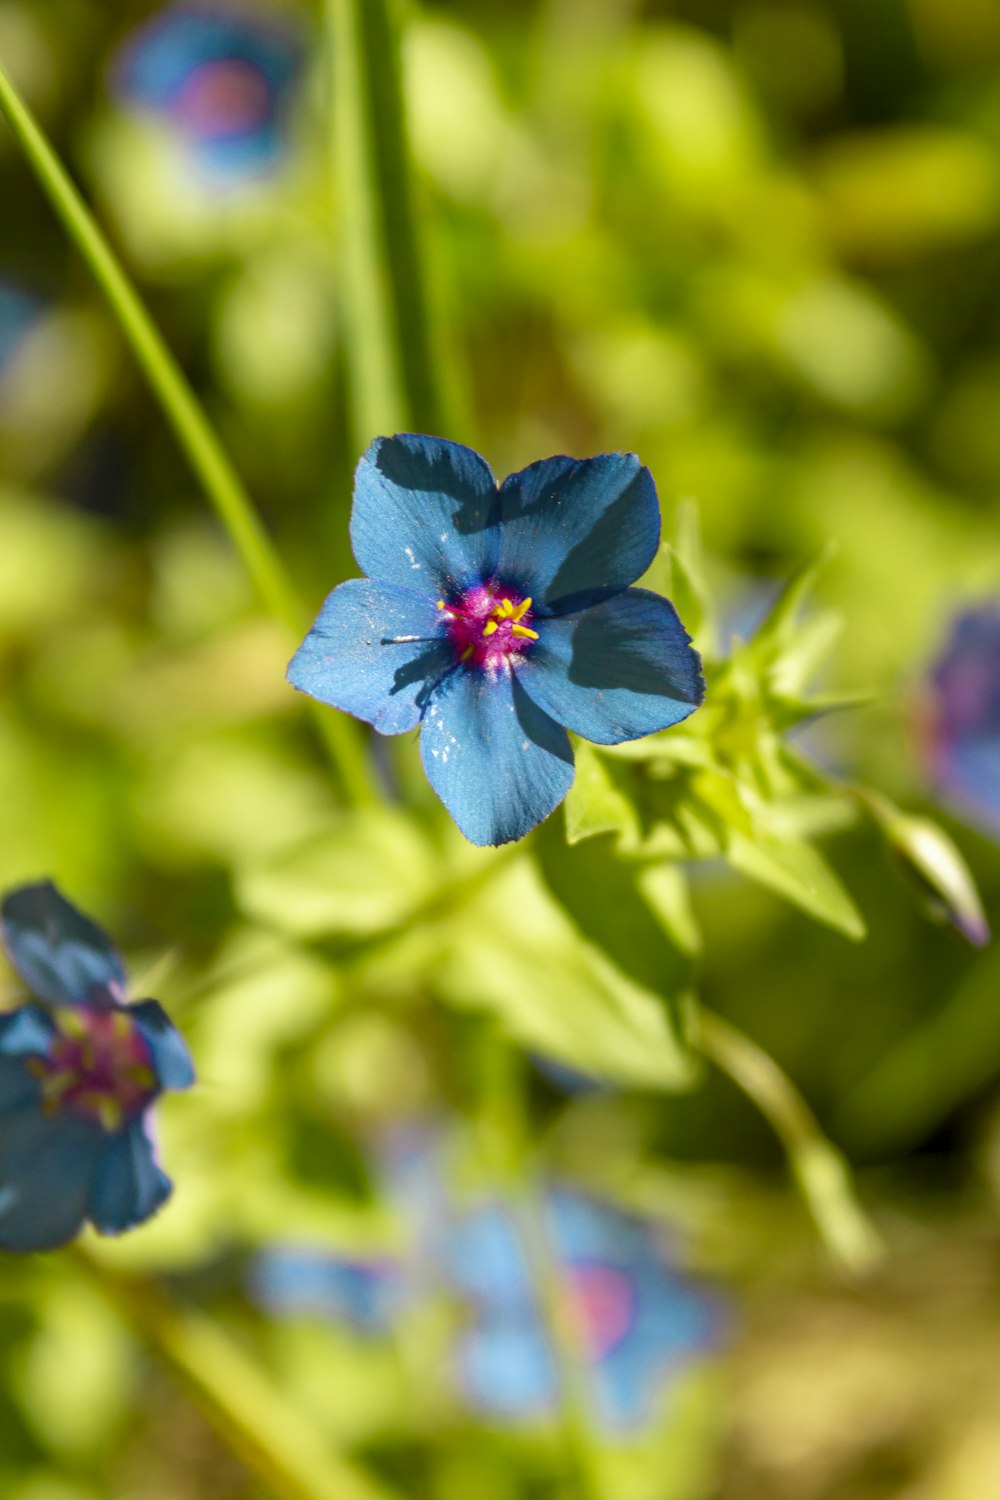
(522, 609)
(466, 654)
(440, 604)
(524, 632)
(490, 627)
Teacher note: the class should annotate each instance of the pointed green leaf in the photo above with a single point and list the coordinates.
(797, 871)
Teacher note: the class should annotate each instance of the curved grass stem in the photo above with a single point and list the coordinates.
(819, 1169)
(183, 411)
(270, 1437)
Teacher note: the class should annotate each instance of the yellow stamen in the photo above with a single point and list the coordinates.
(524, 632)
(490, 627)
(466, 654)
(522, 609)
(440, 604)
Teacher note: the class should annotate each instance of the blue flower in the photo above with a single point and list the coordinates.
(498, 617)
(963, 716)
(79, 1070)
(221, 77)
(638, 1320)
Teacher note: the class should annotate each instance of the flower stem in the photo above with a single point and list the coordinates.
(393, 371)
(819, 1169)
(251, 1415)
(506, 1153)
(183, 411)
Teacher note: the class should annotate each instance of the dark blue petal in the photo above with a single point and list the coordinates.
(171, 1059)
(62, 956)
(499, 764)
(577, 530)
(128, 1185)
(303, 1281)
(46, 1167)
(24, 1033)
(974, 776)
(425, 515)
(507, 1367)
(622, 669)
(375, 651)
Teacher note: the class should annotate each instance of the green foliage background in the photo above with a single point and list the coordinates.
(757, 243)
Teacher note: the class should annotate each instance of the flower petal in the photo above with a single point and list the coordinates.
(128, 1185)
(506, 1367)
(622, 669)
(46, 1167)
(375, 651)
(578, 530)
(425, 514)
(171, 1058)
(62, 956)
(288, 1281)
(24, 1033)
(499, 764)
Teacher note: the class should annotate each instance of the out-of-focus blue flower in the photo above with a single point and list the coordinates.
(498, 617)
(18, 313)
(78, 1074)
(639, 1321)
(963, 716)
(296, 1280)
(221, 77)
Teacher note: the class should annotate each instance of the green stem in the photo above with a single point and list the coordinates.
(269, 1436)
(205, 454)
(393, 370)
(820, 1171)
(504, 1139)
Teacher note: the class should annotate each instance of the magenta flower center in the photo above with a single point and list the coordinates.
(223, 98)
(98, 1065)
(488, 624)
(602, 1307)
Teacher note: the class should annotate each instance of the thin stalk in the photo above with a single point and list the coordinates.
(505, 1150)
(819, 1169)
(250, 1414)
(183, 411)
(393, 369)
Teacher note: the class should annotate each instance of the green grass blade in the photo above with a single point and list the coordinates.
(195, 434)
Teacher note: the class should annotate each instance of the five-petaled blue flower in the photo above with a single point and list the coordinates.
(963, 716)
(78, 1073)
(222, 77)
(638, 1321)
(497, 617)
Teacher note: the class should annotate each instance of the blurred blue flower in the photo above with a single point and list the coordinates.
(498, 617)
(963, 716)
(18, 313)
(221, 77)
(638, 1320)
(78, 1073)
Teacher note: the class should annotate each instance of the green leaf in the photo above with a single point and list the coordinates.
(595, 804)
(370, 870)
(775, 631)
(514, 952)
(797, 871)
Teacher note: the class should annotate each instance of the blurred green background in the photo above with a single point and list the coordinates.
(757, 242)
